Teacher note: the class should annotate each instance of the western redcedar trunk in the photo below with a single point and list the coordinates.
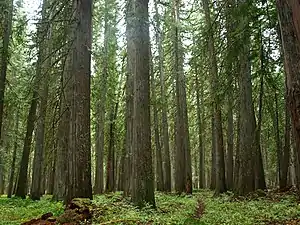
(289, 19)
(158, 148)
(200, 108)
(8, 17)
(14, 156)
(138, 56)
(183, 180)
(164, 107)
(78, 88)
(43, 37)
(247, 136)
(217, 115)
(230, 72)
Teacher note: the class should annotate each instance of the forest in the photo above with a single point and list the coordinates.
(150, 112)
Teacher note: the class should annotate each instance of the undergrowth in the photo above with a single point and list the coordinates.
(201, 208)
(15, 210)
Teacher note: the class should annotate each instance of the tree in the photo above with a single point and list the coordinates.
(220, 163)
(78, 88)
(158, 148)
(101, 106)
(183, 176)
(8, 18)
(164, 109)
(138, 56)
(13, 162)
(247, 133)
(229, 72)
(36, 189)
(289, 20)
(200, 134)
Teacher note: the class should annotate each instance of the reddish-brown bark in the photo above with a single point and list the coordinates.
(289, 18)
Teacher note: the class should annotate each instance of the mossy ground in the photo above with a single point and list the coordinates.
(171, 209)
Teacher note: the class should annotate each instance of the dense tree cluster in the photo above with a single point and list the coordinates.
(137, 96)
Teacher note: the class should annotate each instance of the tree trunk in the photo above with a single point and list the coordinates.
(229, 73)
(259, 170)
(110, 179)
(5, 56)
(138, 55)
(128, 130)
(183, 181)
(213, 154)
(247, 143)
(277, 136)
(220, 163)
(79, 63)
(289, 19)
(283, 181)
(158, 152)
(285, 159)
(14, 156)
(236, 169)
(101, 105)
(164, 108)
(200, 135)
(59, 191)
(42, 107)
(21, 188)
(128, 157)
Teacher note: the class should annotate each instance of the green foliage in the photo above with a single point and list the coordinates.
(171, 209)
(16, 210)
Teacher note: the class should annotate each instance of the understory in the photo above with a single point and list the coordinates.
(201, 208)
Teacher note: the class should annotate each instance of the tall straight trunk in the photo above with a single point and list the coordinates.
(236, 169)
(289, 20)
(99, 147)
(62, 134)
(183, 182)
(121, 179)
(213, 154)
(59, 190)
(220, 163)
(229, 72)
(49, 188)
(248, 145)
(286, 171)
(14, 156)
(128, 151)
(5, 56)
(51, 151)
(285, 156)
(128, 132)
(110, 179)
(247, 128)
(230, 138)
(101, 103)
(158, 149)
(79, 63)
(164, 107)
(259, 170)
(38, 163)
(200, 135)
(277, 136)
(159, 169)
(138, 55)
(42, 107)
(21, 188)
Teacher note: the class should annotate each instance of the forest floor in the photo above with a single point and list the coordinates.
(201, 208)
